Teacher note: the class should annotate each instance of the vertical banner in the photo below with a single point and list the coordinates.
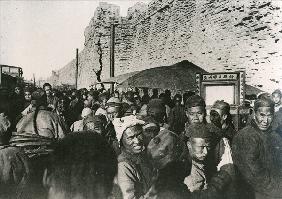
(198, 84)
(242, 87)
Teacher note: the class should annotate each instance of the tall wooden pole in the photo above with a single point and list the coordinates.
(34, 83)
(112, 54)
(0, 75)
(76, 69)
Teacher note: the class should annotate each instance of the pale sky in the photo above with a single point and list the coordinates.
(41, 36)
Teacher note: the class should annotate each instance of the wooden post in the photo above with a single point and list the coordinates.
(0, 75)
(34, 83)
(76, 69)
(112, 55)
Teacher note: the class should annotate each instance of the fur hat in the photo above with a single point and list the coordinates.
(195, 100)
(222, 105)
(205, 131)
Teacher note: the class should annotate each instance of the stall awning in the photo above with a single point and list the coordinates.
(179, 76)
(120, 78)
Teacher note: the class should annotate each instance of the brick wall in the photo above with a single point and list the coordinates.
(217, 35)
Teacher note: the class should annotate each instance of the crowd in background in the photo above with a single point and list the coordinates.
(83, 143)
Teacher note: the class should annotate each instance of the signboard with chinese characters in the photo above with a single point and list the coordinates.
(229, 86)
(220, 76)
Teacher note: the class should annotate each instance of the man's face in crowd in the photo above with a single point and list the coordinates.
(217, 117)
(17, 90)
(199, 148)
(276, 98)
(90, 98)
(27, 96)
(87, 104)
(132, 139)
(73, 95)
(263, 118)
(196, 114)
(48, 90)
(112, 113)
(84, 96)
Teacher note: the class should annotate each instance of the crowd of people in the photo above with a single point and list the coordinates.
(86, 144)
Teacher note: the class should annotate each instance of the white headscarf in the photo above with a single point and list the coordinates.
(85, 112)
(121, 124)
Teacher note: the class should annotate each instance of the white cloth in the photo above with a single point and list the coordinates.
(86, 111)
(27, 110)
(196, 181)
(77, 126)
(121, 124)
(226, 158)
(101, 111)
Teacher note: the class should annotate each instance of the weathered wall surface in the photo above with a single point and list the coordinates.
(217, 35)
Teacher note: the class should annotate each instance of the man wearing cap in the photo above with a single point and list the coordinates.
(209, 178)
(257, 152)
(195, 110)
(114, 110)
(134, 172)
(220, 116)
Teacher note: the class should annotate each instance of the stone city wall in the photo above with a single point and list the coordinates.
(217, 35)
